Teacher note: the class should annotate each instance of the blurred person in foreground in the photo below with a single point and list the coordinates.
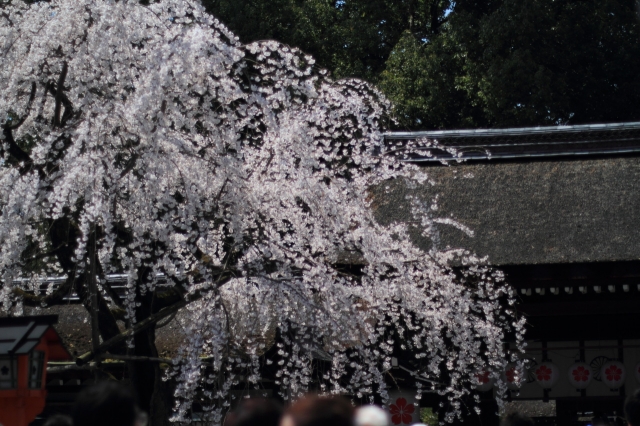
(107, 404)
(517, 419)
(59, 420)
(255, 412)
(319, 411)
(632, 408)
(371, 415)
(600, 421)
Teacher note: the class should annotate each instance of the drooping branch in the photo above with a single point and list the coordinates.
(106, 320)
(148, 322)
(55, 298)
(64, 235)
(139, 358)
(17, 153)
(32, 96)
(139, 327)
(93, 289)
(71, 367)
(59, 94)
(115, 297)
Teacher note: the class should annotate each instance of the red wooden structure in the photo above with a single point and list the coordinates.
(27, 344)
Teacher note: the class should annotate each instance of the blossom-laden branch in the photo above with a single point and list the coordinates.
(237, 175)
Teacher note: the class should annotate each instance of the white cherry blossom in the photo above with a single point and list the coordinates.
(146, 140)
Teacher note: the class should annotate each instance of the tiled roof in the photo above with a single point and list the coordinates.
(19, 335)
(575, 208)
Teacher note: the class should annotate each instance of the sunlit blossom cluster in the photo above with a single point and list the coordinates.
(160, 146)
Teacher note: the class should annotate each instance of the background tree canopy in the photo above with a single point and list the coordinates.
(467, 63)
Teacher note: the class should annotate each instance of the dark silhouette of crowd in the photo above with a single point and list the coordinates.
(632, 409)
(517, 419)
(113, 404)
(103, 404)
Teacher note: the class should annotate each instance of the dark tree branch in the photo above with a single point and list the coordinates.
(7, 17)
(59, 95)
(32, 96)
(41, 255)
(64, 234)
(107, 325)
(113, 295)
(14, 150)
(73, 367)
(146, 323)
(93, 288)
(138, 358)
(119, 314)
(130, 165)
(166, 321)
(55, 298)
(119, 339)
(434, 15)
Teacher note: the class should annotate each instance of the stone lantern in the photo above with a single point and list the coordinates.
(27, 344)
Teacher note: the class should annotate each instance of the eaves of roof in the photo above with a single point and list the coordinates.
(616, 139)
(19, 335)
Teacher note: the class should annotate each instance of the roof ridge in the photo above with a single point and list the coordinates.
(513, 131)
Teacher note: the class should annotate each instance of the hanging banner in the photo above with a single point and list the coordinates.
(403, 408)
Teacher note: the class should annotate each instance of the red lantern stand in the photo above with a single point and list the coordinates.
(27, 344)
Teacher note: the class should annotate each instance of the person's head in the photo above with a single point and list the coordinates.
(105, 404)
(600, 421)
(517, 419)
(371, 415)
(319, 411)
(632, 408)
(257, 412)
(58, 420)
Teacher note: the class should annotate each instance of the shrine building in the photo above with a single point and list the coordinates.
(558, 210)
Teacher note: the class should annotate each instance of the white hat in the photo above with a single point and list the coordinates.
(371, 415)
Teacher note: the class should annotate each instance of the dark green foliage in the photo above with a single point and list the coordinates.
(467, 63)
(352, 38)
(526, 62)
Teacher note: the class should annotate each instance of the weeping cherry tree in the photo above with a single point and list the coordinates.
(229, 181)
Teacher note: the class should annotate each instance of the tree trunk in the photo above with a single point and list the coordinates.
(161, 400)
(154, 395)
